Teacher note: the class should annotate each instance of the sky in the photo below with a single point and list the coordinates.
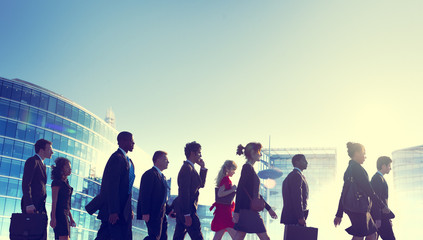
(223, 73)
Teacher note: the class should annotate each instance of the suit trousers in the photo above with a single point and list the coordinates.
(121, 230)
(385, 231)
(157, 229)
(194, 231)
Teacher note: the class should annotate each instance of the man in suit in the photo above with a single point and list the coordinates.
(379, 185)
(152, 198)
(189, 183)
(295, 194)
(115, 192)
(34, 179)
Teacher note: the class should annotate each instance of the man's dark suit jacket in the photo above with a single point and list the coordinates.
(114, 196)
(189, 183)
(34, 184)
(295, 195)
(151, 195)
(380, 187)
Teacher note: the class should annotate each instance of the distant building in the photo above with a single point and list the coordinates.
(407, 170)
(110, 118)
(321, 170)
(29, 112)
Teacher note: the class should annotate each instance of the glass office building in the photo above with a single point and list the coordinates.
(28, 113)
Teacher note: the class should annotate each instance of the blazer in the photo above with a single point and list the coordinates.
(114, 197)
(151, 195)
(361, 178)
(381, 189)
(248, 186)
(34, 184)
(189, 183)
(295, 196)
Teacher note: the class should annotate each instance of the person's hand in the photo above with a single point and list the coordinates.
(113, 218)
(172, 214)
(31, 209)
(72, 223)
(53, 222)
(386, 210)
(201, 163)
(273, 214)
(235, 218)
(337, 221)
(188, 221)
(302, 222)
(378, 223)
(146, 217)
(233, 187)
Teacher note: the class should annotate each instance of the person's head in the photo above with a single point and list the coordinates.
(160, 160)
(61, 168)
(384, 164)
(126, 141)
(193, 151)
(357, 152)
(252, 151)
(299, 161)
(43, 148)
(228, 169)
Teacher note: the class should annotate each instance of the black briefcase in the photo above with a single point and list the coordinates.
(294, 232)
(28, 226)
(226, 199)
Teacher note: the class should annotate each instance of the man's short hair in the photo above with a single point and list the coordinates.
(123, 136)
(296, 158)
(41, 144)
(191, 147)
(157, 155)
(384, 160)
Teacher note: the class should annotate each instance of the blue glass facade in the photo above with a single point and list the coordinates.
(28, 113)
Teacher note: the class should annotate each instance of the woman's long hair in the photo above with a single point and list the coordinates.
(57, 169)
(226, 167)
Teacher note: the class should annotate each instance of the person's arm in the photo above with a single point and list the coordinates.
(184, 183)
(203, 173)
(376, 184)
(294, 185)
(28, 175)
(241, 193)
(72, 222)
(113, 174)
(146, 189)
(54, 195)
(226, 188)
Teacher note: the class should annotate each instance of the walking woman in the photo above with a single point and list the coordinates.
(355, 196)
(246, 217)
(222, 221)
(61, 217)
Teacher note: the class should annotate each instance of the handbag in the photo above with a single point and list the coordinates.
(256, 204)
(28, 226)
(295, 232)
(227, 200)
(353, 200)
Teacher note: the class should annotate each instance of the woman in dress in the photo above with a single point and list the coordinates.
(247, 220)
(362, 222)
(222, 221)
(61, 217)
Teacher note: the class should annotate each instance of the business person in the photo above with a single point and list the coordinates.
(362, 222)
(189, 183)
(152, 200)
(34, 180)
(295, 194)
(380, 186)
(246, 219)
(61, 194)
(115, 192)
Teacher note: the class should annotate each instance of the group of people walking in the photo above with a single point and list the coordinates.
(237, 217)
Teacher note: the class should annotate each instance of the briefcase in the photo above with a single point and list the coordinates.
(28, 226)
(294, 232)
